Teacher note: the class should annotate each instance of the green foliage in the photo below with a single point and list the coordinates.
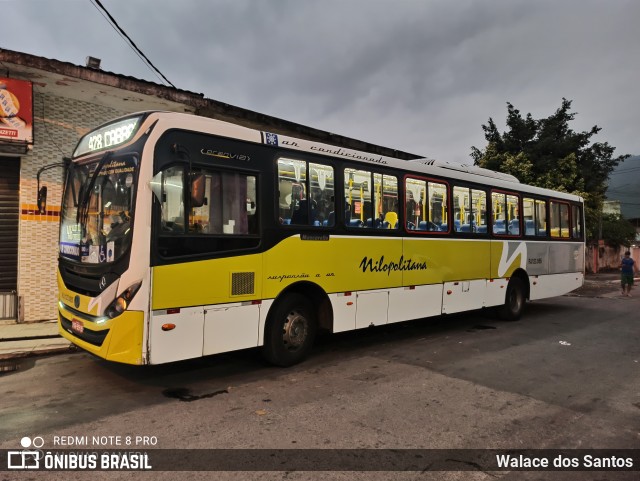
(617, 231)
(548, 153)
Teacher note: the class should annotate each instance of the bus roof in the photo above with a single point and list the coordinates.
(424, 166)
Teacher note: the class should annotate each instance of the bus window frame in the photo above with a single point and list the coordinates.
(342, 220)
(286, 154)
(569, 238)
(156, 221)
(361, 168)
(536, 197)
(506, 236)
(580, 208)
(472, 187)
(210, 169)
(404, 205)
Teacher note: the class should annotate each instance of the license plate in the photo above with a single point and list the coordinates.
(77, 326)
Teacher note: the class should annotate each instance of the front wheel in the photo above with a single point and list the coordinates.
(290, 331)
(514, 301)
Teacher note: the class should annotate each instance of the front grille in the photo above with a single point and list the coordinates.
(242, 283)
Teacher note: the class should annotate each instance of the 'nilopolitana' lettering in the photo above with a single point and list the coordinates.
(381, 266)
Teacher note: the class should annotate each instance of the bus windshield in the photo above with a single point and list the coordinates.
(97, 210)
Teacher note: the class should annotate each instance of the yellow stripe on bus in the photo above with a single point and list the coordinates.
(336, 265)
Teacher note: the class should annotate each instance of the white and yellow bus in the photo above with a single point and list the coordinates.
(183, 236)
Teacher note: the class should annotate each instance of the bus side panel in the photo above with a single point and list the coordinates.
(537, 258)
(183, 341)
(180, 294)
(336, 264)
(230, 327)
(447, 260)
(506, 257)
(555, 284)
(415, 302)
(460, 268)
(372, 308)
(495, 292)
(460, 296)
(344, 311)
(566, 257)
(554, 267)
(200, 283)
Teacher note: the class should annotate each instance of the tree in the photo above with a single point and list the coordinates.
(548, 153)
(617, 231)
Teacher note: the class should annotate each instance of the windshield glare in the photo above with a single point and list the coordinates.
(97, 210)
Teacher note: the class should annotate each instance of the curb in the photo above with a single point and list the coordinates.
(34, 353)
(21, 349)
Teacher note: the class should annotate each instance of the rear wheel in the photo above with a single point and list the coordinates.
(290, 331)
(514, 301)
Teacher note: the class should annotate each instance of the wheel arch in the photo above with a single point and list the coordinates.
(524, 277)
(318, 298)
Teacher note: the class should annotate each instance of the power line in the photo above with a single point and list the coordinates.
(112, 21)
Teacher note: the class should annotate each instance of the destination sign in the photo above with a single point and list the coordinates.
(108, 136)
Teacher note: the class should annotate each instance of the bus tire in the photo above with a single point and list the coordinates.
(514, 301)
(290, 331)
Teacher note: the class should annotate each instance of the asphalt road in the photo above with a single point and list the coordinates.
(565, 376)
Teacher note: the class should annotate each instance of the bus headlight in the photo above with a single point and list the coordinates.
(120, 304)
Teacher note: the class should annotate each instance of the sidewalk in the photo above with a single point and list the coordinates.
(23, 340)
(604, 284)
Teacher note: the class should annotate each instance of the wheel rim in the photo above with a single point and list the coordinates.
(515, 300)
(295, 330)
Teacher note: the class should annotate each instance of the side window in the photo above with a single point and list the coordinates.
(541, 218)
(385, 201)
(470, 210)
(479, 209)
(534, 216)
(499, 213)
(505, 214)
(438, 211)
(414, 189)
(357, 194)
(306, 193)
(513, 215)
(322, 195)
(564, 221)
(462, 215)
(425, 205)
(529, 216)
(172, 201)
(576, 222)
(371, 199)
(292, 184)
(559, 212)
(229, 205)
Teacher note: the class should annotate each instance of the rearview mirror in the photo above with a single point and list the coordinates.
(198, 183)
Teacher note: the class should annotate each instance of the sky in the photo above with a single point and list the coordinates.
(420, 76)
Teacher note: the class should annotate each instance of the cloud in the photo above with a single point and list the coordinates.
(417, 76)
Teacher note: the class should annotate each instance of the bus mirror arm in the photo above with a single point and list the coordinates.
(42, 191)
